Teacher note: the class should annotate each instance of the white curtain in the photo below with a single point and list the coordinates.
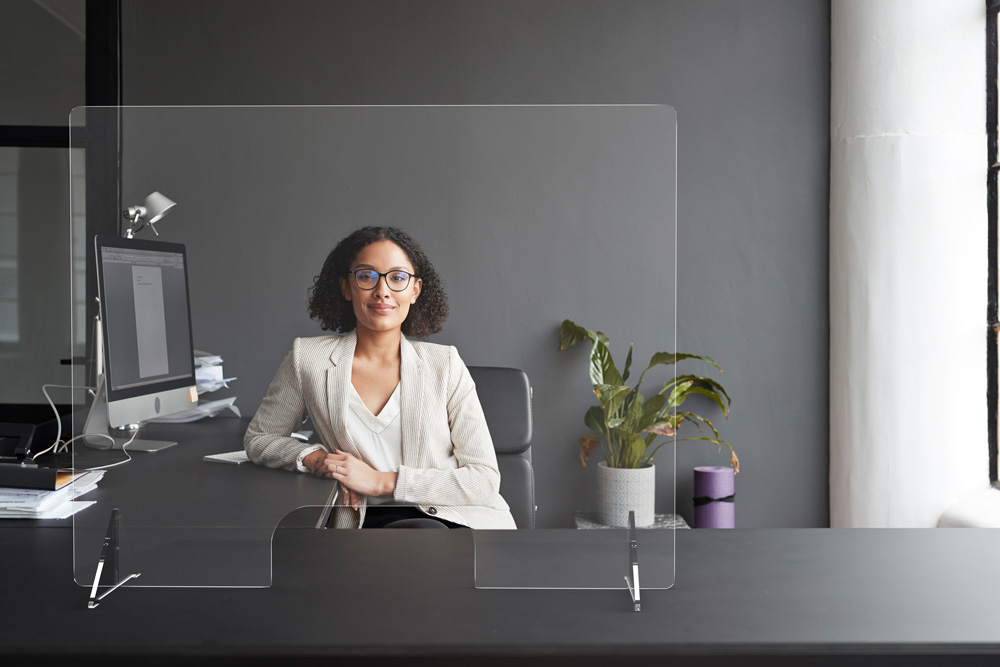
(908, 262)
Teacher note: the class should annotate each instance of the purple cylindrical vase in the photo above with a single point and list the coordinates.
(714, 493)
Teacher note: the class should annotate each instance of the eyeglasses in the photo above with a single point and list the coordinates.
(396, 280)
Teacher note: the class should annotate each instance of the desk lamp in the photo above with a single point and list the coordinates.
(156, 206)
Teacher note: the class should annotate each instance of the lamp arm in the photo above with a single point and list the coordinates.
(135, 216)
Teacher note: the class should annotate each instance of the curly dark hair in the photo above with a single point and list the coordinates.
(328, 306)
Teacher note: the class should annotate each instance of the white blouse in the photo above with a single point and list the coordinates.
(377, 437)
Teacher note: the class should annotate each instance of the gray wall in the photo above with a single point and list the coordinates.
(750, 84)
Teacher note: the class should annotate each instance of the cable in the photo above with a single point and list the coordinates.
(124, 451)
(52, 405)
(65, 445)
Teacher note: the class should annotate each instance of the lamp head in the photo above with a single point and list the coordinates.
(156, 206)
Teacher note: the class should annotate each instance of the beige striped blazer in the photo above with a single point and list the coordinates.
(449, 467)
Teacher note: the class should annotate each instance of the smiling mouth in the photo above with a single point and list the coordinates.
(380, 308)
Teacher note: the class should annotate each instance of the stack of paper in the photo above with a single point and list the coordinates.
(38, 504)
(200, 411)
(208, 372)
(209, 377)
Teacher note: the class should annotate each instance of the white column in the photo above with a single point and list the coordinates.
(908, 261)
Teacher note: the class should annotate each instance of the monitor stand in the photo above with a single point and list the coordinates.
(99, 434)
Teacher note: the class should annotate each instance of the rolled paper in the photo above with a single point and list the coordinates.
(714, 491)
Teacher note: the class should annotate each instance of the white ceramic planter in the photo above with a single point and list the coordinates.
(622, 489)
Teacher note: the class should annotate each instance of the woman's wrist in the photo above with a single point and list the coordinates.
(310, 459)
(388, 483)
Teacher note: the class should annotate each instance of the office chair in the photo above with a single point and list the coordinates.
(505, 395)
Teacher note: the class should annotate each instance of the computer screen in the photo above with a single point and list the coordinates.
(146, 318)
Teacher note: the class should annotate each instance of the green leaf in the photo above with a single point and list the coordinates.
(616, 407)
(608, 393)
(695, 418)
(691, 417)
(635, 450)
(628, 362)
(602, 366)
(678, 393)
(670, 358)
(651, 412)
(571, 333)
(594, 419)
(698, 379)
(654, 404)
(633, 413)
(733, 460)
(711, 394)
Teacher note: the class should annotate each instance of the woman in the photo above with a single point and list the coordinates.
(398, 419)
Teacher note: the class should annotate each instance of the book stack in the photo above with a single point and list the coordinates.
(44, 493)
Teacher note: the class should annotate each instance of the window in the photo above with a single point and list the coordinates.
(54, 55)
(9, 321)
(42, 76)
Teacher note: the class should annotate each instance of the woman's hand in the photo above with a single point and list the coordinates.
(349, 498)
(356, 477)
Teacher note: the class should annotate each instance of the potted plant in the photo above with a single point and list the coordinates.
(626, 424)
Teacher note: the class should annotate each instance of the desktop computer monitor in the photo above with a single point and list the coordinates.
(148, 360)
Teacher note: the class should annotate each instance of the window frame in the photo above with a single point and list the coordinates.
(993, 173)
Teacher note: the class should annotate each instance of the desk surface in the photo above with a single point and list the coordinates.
(741, 597)
(185, 521)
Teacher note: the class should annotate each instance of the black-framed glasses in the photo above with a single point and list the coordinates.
(396, 280)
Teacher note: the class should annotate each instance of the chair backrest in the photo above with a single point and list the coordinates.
(505, 395)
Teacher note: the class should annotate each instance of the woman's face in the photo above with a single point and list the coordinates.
(381, 308)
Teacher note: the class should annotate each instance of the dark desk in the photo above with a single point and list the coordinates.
(185, 521)
(767, 597)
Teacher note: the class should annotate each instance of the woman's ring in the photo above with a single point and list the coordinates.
(336, 469)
